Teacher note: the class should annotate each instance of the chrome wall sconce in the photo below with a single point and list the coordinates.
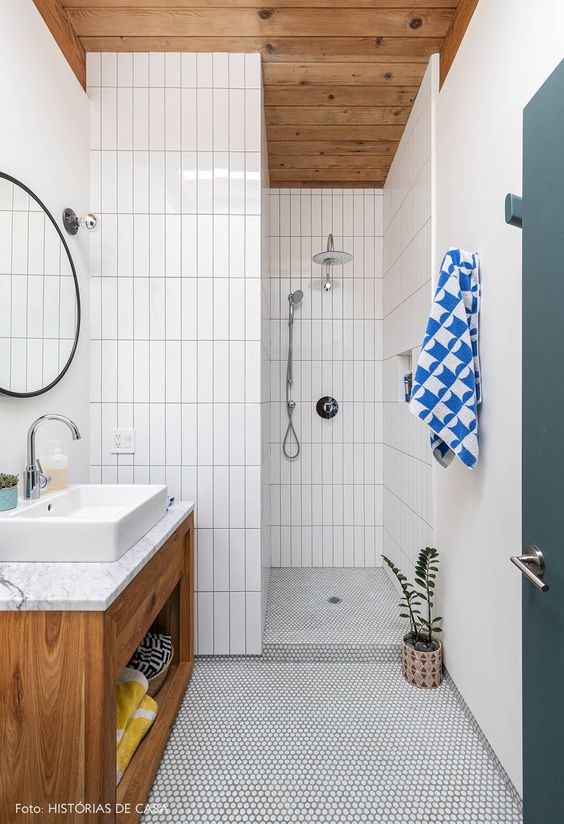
(72, 222)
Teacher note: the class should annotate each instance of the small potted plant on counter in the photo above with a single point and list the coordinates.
(422, 653)
(8, 492)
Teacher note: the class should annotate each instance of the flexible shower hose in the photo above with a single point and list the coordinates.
(290, 406)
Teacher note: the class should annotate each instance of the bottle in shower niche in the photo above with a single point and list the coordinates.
(57, 467)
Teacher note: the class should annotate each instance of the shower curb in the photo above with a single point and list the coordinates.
(332, 653)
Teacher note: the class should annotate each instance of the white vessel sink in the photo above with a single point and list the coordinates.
(90, 522)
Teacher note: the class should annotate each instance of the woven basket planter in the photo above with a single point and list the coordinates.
(422, 669)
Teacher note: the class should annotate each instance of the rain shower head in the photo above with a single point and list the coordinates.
(330, 257)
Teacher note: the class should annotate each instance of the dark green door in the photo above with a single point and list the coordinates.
(543, 450)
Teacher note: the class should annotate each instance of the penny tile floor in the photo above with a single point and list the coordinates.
(323, 728)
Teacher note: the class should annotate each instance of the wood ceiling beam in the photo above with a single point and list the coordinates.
(343, 74)
(327, 116)
(370, 161)
(338, 132)
(339, 95)
(455, 34)
(60, 27)
(319, 184)
(288, 22)
(305, 148)
(374, 176)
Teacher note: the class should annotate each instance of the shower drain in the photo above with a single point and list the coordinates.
(334, 600)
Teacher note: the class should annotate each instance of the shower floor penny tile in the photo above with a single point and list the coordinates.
(299, 611)
(284, 741)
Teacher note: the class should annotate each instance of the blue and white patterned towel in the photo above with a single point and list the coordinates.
(446, 388)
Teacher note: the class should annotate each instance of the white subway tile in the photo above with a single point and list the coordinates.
(220, 246)
(221, 497)
(237, 559)
(204, 246)
(173, 365)
(124, 107)
(221, 371)
(172, 104)
(237, 120)
(221, 623)
(236, 71)
(109, 69)
(253, 644)
(205, 623)
(93, 69)
(125, 69)
(140, 69)
(237, 496)
(237, 619)
(156, 69)
(253, 71)
(220, 70)
(204, 125)
(221, 119)
(204, 68)
(140, 118)
(253, 120)
(188, 70)
(172, 70)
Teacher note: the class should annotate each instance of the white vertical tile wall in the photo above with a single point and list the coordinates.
(176, 319)
(408, 261)
(326, 506)
(265, 374)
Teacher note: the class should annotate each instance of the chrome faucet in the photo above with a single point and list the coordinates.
(34, 479)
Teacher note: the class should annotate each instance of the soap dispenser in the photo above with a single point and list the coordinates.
(57, 467)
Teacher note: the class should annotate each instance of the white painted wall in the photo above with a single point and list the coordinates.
(508, 51)
(326, 506)
(44, 143)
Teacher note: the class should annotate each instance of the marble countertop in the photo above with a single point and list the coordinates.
(83, 586)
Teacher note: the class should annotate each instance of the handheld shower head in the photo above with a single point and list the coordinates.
(293, 299)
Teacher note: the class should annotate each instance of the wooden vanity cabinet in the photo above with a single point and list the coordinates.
(58, 671)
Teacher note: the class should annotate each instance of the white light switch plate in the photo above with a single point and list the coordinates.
(123, 441)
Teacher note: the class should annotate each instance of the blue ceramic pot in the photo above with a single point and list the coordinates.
(8, 498)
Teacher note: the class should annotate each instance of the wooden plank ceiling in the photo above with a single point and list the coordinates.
(340, 75)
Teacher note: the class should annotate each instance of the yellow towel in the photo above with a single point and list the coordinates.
(136, 728)
(131, 687)
(135, 712)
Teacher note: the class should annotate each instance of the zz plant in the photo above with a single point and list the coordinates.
(422, 626)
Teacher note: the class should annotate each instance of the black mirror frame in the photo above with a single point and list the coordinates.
(64, 370)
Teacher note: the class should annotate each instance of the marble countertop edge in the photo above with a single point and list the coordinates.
(84, 586)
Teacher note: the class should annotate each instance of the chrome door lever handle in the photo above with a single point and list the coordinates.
(531, 564)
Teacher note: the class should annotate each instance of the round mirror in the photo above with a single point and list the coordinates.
(39, 296)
